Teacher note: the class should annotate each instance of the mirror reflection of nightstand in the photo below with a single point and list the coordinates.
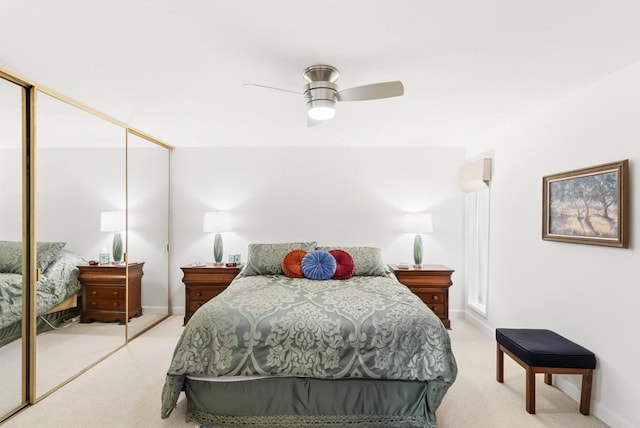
(103, 292)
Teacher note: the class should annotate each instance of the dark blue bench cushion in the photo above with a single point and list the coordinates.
(545, 348)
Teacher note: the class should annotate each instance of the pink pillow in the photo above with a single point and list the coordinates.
(292, 263)
(345, 266)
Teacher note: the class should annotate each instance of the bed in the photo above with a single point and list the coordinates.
(272, 350)
(56, 291)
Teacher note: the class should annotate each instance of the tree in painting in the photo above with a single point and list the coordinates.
(585, 206)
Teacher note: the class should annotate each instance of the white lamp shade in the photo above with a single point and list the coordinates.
(217, 222)
(112, 221)
(418, 223)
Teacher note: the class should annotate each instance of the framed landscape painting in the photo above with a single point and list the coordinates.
(587, 206)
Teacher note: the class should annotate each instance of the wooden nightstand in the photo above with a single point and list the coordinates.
(103, 292)
(431, 283)
(203, 283)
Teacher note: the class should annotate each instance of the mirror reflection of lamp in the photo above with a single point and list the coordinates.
(418, 223)
(217, 222)
(114, 221)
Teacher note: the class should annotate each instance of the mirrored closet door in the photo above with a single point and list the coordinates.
(80, 210)
(12, 285)
(84, 229)
(148, 231)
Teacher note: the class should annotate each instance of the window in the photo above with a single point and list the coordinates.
(477, 249)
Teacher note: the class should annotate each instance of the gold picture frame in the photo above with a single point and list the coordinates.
(588, 205)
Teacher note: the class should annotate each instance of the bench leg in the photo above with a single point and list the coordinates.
(548, 379)
(585, 396)
(499, 364)
(531, 390)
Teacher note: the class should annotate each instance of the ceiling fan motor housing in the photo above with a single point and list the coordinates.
(321, 91)
(315, 91)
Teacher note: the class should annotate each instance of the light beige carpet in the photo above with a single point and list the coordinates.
(124, 390)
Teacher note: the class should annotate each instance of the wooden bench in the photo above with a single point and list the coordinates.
(544, 351)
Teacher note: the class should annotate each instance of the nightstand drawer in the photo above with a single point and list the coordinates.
(437, 309)
(194, 306)
(104, 304)
(430, 298)
(105, 292)
(203, 294)
(207, 277)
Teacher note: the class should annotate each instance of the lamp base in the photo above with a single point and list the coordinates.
(117, 247)
(217, 250)
(417, 251)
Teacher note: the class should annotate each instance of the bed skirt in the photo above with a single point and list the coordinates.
(308, 402)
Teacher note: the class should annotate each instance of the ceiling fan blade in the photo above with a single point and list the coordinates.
(373, 91)
(271, 87)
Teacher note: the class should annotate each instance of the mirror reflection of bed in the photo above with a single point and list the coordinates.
(56, 291)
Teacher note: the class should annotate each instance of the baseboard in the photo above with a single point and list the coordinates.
(456, 313)
(480, 322)
(598, 410)
(158, 310)
(177, 310)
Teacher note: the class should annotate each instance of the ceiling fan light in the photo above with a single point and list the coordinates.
(321, 109)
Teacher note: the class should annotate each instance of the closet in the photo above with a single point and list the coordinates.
(74, 178)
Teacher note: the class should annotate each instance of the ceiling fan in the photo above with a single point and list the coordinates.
(321, 92)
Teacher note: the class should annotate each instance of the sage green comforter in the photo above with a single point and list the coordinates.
(364, 327)
(58, 282)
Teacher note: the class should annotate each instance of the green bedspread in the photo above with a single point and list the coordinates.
(371, 327)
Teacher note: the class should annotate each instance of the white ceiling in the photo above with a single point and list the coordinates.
(175, 69)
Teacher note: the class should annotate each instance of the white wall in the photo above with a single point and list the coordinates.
(73, 186)
(590, 294)
(335, 196)
(148, 217)
(10, 194)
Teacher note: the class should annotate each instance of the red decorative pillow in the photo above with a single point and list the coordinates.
(292, 263)
(345, 266)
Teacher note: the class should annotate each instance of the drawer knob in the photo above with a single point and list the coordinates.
(115, 293)
(436, 297)
(93, 303)
(198, 294)
(94, 293)
(434, 308)
(115, 304)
